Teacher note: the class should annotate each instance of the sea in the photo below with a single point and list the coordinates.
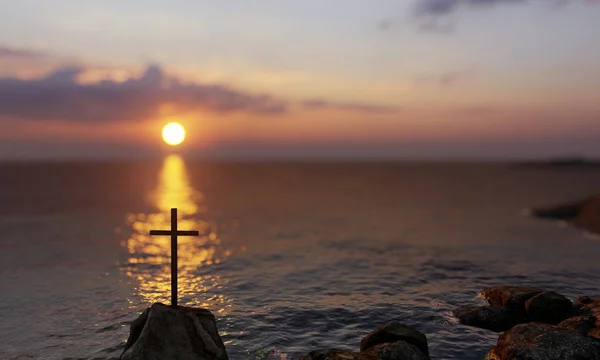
(291, 257)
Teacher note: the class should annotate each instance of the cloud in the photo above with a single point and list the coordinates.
(450, 77)
(433, 15)
(60, 96)
(318, 104)
(11, 53)
(438, 8)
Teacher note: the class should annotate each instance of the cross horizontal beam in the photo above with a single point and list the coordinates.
(171, 232)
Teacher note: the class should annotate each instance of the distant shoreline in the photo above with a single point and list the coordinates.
(578, 163)
(584, 214)
(566, 162)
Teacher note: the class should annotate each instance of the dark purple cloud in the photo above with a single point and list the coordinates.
(60, 96)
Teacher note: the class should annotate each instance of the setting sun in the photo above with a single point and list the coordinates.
(173, 133)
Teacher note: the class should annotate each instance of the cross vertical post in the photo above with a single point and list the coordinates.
(174, 257)
(173, 233)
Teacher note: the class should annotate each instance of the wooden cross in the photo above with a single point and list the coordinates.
(174, 233)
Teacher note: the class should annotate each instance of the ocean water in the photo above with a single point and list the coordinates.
(292, 257)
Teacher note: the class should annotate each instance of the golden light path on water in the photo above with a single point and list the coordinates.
(150, 258)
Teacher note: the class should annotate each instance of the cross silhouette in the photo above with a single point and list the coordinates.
(174, 233)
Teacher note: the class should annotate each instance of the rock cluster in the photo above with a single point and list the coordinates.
(513, 305)
(538, 324)
(392, 341)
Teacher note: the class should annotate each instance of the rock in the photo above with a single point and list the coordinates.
(548, 307)
(537, 341)
(393, 332)
(488, 317)
(399, 350)
(391, 341)
(275, 354)
(511, 297)
(586, 306)
(581, 302)
(579, 324)
(163, 333)
(335, 354)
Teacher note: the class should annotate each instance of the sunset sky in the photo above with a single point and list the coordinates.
(431, 79)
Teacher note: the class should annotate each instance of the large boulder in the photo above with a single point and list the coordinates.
(164, 333)
(399, 350)
(537, 341)
(548, 307)
(393, 332)
(335, 354)
(492, 318)
(511, 297)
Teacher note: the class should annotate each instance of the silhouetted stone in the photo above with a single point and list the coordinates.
(536, 341)
(548, 307)
(488, 317)
(399, 350)
(584, 214)
(579, 324)
(393, 332)
(511, 297)
(163, 333)
(335, 354)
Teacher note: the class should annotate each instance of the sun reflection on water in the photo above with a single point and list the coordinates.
(149, 257)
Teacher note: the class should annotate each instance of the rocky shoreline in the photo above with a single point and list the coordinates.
(535, 324)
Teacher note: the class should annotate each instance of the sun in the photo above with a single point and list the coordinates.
(173, 133)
